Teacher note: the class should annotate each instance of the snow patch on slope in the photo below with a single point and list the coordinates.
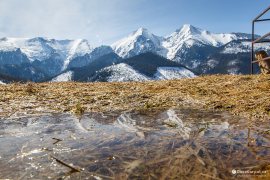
(234, 71)
(166, 73)
(123, 73)
(243, 47)
(212, 63)
(65, 77)
(78, 47)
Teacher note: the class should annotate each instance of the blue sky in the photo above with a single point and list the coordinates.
(105, 21)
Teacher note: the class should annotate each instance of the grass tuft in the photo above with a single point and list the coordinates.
(30, 89)
(79, 109)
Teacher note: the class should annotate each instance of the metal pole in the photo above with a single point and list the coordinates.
(262, 13)
(252, 46)
(261, 20)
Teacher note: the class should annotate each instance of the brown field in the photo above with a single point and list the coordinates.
(248, 96)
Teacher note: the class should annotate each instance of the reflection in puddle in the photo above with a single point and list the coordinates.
(158, 145)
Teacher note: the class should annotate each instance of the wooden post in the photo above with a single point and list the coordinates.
(263, 61)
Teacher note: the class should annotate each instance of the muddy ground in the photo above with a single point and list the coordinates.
(205, 127)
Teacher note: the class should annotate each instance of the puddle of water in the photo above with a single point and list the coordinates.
(132, 145)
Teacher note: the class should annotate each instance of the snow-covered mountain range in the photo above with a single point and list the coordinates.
(40, 59)
(192, 47)
(40, 49)
(187, 36)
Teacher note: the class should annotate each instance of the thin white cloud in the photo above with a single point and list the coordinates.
(104, 21)
(61, 19)
(42, 17)
(99, 21)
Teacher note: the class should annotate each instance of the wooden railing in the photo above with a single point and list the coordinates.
(262, 39)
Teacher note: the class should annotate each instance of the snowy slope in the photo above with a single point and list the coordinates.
(123, 72)
(138, 42)
(189, 35)
(237, 48)
(43, 48)
(77, 48)
(65, 77)
(243, 47)
(166, 73)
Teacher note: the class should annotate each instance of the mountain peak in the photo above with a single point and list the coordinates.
(141, 31)
(138, 42)
(188, 28)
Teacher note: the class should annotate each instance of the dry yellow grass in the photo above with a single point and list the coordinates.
(248, 96)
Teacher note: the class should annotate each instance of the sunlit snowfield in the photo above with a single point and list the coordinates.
(183, 143)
